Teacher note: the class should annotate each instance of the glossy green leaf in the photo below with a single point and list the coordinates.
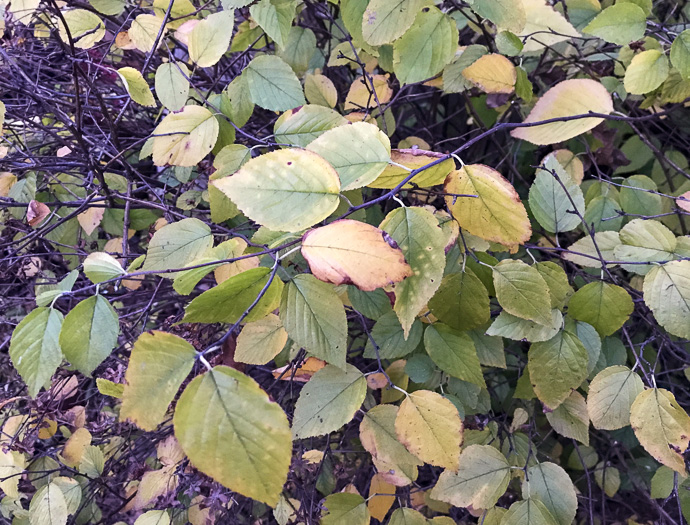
(231, 431)
(89, 333)
(227, 302)
(35, 347)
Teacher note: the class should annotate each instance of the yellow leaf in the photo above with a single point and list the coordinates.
(155, 483)
(492, 73)
(234, 248)
(566, 99)
(661, 426)
(185, 138)
(90, 219)
(352, 252)
(361, 96)
(7, 180)
(136, 86)
(429, 426)
(544, 26)
(75, 447)
(144, 31)
(413, 159)
(381, 497)
(261, 340)
(48, 429)
(682, 201)
(496, 214)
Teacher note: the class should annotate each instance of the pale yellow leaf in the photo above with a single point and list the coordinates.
(76, 445)
(492, 73)
(567, 99)
(90, 219)
(361, 94)
(185, 138)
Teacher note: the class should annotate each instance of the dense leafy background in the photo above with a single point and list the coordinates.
(387, 260)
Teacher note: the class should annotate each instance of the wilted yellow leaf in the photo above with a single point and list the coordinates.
(569, 98)
(353, 252)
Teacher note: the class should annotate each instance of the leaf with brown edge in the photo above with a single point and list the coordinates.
(36, 213)
(496, 213)
(352, 252)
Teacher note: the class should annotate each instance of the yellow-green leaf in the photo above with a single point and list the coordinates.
(454, 353)
(566, 99)
(413, 159)
(661, 426)
(570, 418)
(328, 401)
(387, 20)
(85, 28)
(158, 365)
(136, 86)
(620, 24)
(272, 84)
(551, 484)
(492, 73)
(462, 301)
(611, 394)
(530, 511)
(646, 72)
(210, 39)
(285, 190)
(172, 86)
(177, 245)
(261, 340)
(185, 138)
(521, 291)
(100, 266)
(345, 508)
(496, 213)
(429, 426)
(480, 481)
(667, 293)
(233, 432)
(605, 306)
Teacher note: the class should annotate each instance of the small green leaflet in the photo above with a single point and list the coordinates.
(35, 348)
(89, 333)
(328, 401)
(314, 317)
(233, 432)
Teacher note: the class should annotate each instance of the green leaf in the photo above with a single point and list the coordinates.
(611, 394)
(237, 101)
(605, 306)
(661, 426)
(261, 340)
(108, 388)
(136, 86)
(489, 349)
(389, 336)
(209, 40)
(227, 302)
(667, 293)
(607, 478)
(637, 196)
(462, 301)
(481, 480)
(275, 18)
(429, 426)
(285, 190)
(178, 244)
(584, 253)
(153, 517)
(345, 508)
(454, 353)
(299, 49)
(314, 317)
(551, 198)
(520, 290)
(89, 333)
(100, 266)
(48, 506)
(645, 241)
(386, 20)
(35, 347)
(506, 14)
(557, 281)
(185, 138)
(302, 126)
(158, 365)
(551, 485)
(496, 213)
(417, 234)
(517, 329)
(272, 84)
(378, 437)
(680, 54)
(407, 516)
(530, 511)
(556, 367)
(453, 81)
(172, 86)
(570, 418)
(232, 432)
(328, 401)
(620, 24)
(359, 152)
(426, 48)
(646, 72)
